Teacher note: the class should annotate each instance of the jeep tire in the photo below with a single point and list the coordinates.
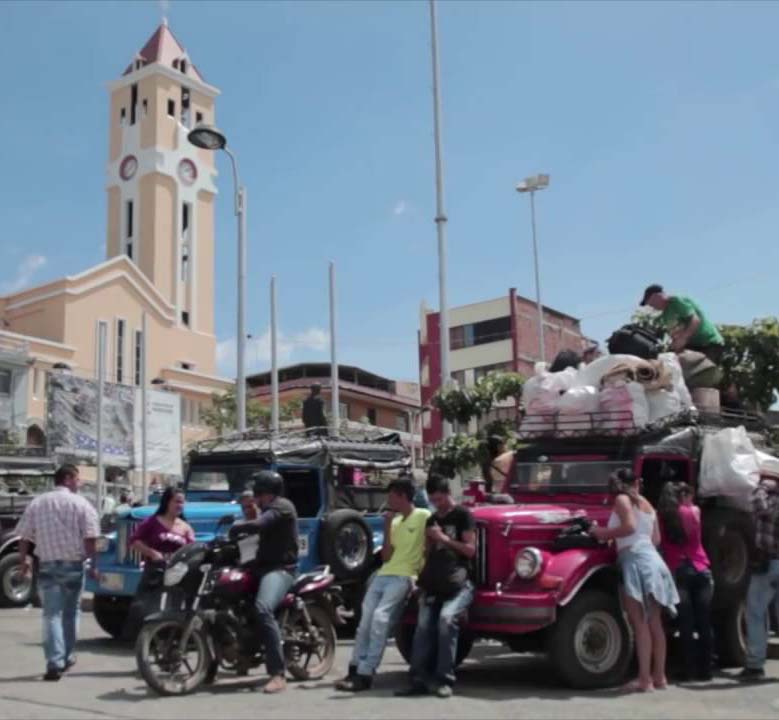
(728, 539)
(111, 613)
(729, 627)
(591, 645)
(16, 590)
(346, 544)
(404, 641)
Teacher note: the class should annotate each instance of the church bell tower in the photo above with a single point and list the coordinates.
(161, 188)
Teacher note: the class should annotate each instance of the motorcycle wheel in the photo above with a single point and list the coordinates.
(310, 651)
(162, 665)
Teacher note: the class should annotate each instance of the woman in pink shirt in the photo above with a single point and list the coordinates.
(681, 545)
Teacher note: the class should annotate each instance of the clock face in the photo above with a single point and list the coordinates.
(128, 167)
(187, 171)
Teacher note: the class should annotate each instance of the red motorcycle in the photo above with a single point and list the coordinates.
(203, 625)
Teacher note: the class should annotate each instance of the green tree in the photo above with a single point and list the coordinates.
(462, 451)
(751, 360)
(223, 413)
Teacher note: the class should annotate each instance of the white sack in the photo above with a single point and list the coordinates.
(541, 393)
(769, 465)
(593, 373)
(729, 465)
(623, 407)
(671, 361)
(576, 407)
(663, 403)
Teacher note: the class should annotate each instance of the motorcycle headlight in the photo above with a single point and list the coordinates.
(175, 574)
(527, 563)
(103, 544)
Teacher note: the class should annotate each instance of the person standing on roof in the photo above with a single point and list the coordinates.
(314, 410)
(687, 324)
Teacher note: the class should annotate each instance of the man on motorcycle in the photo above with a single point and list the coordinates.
(276, 564)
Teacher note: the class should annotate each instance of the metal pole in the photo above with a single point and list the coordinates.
(335, 408)
(240, 211)
(541, 345)
(274, 373)
(412, 442)
(144, 417)
(440, 218)
(101, 341)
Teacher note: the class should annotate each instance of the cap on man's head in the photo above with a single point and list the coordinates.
(651, 290)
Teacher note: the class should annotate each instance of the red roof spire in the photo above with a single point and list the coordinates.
(162, 47)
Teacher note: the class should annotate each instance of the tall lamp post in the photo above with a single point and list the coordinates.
(531, 185)
(210, 138)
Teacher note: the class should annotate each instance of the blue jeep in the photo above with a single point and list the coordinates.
(338, 486)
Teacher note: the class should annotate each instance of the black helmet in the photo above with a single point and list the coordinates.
(268, 482)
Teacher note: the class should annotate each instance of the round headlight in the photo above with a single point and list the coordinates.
(527, 563)
(175, 574)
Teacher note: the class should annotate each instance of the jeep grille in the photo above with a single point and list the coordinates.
(123, 534)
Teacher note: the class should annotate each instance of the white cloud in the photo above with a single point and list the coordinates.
(24, 273)
(290, 347)
(400, 208)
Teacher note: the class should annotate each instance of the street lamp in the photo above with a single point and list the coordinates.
(531, 185)
(210, 138)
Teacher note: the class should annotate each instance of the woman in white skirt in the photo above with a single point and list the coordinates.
(647, 583)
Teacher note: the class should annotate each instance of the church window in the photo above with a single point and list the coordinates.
(145, 107)
(138, 356)
(185, 111)
(122, 117)
(120, 329)
(198, 118)
(183, 65)
(129, 208)
(185, 318)
(172, 108)
(133, 103)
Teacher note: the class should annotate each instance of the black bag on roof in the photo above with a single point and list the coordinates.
(634, 340)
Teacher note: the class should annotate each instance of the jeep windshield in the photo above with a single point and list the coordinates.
(219, 483)
(560, 477)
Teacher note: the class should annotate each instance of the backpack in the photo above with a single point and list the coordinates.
(634, 340)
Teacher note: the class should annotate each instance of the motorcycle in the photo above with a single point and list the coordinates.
(204, 622)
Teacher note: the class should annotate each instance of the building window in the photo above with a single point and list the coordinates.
(198, 118)
(120, 331)
(122, 117)
(485, 370)
(183, 65)
(133, 103)
(176, 64)
(172, 108)
(343, 410)
(185, 318)
(138, 357)
(185, 114)
(129, 210)
(186, 365)
(459, 377)
(145, 107)
(401, 422)
(371, 413)
(190, 411)
(480, 333)
(5, 382)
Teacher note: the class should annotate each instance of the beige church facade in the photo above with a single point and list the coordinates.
(160, 258)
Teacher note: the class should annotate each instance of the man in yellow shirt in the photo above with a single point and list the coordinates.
(403, 555)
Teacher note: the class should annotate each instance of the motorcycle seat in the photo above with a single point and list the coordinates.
(306, 578)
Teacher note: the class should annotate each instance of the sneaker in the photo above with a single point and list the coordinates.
(751, 674)
(350, 674)
(444, 691)
(52, 675)
(357, 683)
(413, 690)
(277, 684)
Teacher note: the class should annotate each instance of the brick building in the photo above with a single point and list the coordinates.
(499, 334)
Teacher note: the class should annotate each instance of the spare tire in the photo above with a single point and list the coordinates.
(728, 536)
(346, 544)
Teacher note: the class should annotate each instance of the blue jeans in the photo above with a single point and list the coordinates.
(762, 588)
(60, 584)
(696, 589)
(434, 652)
(273, 587)
(381, 609)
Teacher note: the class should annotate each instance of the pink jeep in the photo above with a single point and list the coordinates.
(543, 584)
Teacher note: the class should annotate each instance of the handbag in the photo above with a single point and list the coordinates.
(634, 340)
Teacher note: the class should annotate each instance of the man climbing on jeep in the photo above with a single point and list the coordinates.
(687, 324)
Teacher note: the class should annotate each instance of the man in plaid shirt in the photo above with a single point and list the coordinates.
(765, 576)
(64, 528)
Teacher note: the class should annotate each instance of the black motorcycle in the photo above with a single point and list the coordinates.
(204, 623)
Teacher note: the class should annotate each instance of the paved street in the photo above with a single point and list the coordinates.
(493, 684)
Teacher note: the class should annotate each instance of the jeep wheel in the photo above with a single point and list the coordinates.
(727, 536)
(591, 645)
(404, 640)
(111, 612)
(16, 589)
(347, 544)
(730, 634)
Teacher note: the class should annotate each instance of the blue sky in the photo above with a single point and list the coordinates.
(658, 123)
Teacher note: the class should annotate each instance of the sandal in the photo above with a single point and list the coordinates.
(634, 686)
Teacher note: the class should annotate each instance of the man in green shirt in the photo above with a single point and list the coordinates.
(686, 323)
(403, 555)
